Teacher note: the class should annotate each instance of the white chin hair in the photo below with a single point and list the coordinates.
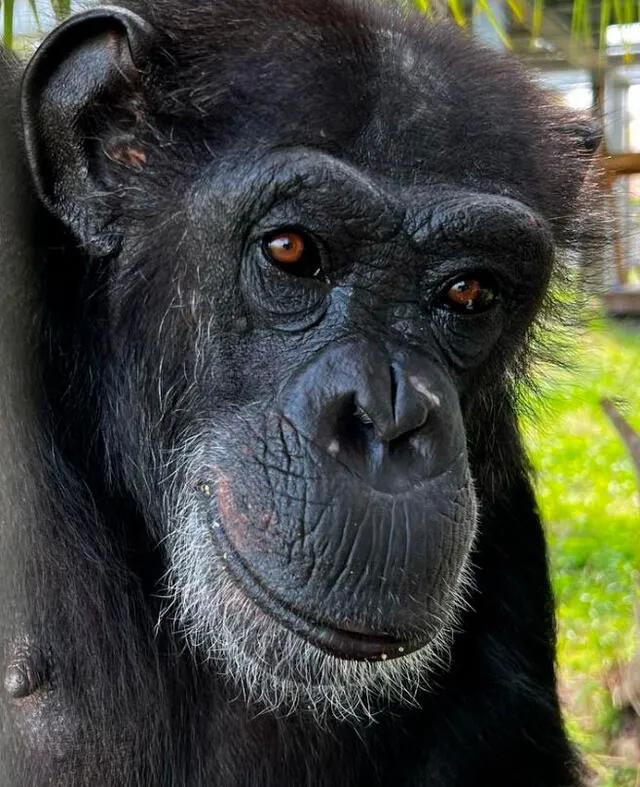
(274, 668)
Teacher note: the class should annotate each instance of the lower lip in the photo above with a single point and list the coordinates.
(350, 645)
(341, 643)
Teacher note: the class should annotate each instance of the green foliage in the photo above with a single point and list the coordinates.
(61, 8)
(7, 23)
(589, 497)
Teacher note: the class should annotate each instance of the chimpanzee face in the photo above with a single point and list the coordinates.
(304, 313)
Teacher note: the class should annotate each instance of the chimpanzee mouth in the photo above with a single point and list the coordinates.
(346, 641)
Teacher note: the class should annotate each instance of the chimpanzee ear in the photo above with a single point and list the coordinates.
(81, 97)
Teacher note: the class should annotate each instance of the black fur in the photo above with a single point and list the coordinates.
(101, 301)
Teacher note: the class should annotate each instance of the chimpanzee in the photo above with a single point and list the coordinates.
(271, 270)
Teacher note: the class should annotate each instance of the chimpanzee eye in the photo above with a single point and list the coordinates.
(470, 295)
(293, 252)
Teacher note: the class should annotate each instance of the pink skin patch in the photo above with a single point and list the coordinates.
(130, 157)
(235, 522)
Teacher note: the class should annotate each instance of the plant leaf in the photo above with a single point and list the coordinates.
(7, 24)
(34, 11)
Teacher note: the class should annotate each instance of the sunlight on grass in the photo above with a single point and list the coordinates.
(589, 499)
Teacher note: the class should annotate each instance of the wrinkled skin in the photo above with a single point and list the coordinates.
(281, 530)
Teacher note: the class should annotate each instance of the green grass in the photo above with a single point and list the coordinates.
(589, 499)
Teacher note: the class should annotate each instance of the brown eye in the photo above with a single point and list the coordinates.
(469, 296)
(293, 252)
(285, 248)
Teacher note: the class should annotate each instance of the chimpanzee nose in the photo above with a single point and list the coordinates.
(387, 399)
(362, 407)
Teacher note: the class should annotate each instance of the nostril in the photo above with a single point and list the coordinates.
(354, 430)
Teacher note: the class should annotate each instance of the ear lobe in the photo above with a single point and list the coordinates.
(82, 87)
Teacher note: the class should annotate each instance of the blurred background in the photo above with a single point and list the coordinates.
(583, 435)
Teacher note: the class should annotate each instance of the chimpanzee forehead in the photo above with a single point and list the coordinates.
(389, 94)
(393, 99)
